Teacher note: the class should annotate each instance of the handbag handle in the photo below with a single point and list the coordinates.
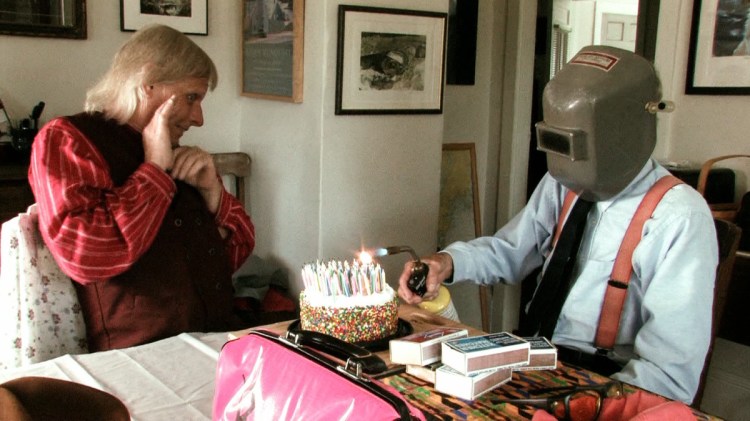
(370, 363)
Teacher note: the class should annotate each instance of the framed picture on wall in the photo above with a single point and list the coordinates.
(459, 195)
(719, 56)
(272, 49)
(187, 16)
(390, 61)
(52, 19)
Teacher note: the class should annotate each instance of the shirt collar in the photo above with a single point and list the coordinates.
(638, 186)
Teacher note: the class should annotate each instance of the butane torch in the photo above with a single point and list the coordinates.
(417, 282)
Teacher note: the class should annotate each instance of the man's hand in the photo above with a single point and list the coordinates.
(441, 268)
(196, 167)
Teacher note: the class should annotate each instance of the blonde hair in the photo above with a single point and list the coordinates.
(155, 54)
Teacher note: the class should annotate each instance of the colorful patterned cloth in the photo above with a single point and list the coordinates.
(492, 405)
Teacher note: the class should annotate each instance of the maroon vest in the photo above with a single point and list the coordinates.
(181, 284)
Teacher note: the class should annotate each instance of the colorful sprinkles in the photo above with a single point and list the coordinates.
(352, 324)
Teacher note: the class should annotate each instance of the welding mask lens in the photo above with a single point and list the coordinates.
(568, 143)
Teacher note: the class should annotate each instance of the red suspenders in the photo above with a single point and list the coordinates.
(614, 297)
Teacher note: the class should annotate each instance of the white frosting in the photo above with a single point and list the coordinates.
(317, 299)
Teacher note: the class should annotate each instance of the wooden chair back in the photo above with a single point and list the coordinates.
(236, 165)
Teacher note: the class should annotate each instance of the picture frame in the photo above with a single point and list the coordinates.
(273, 50)
(390, 61)
(59, 19)
(459, 220)
(719, 55)
(187, 16)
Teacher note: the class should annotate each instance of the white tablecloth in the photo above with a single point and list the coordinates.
(172, 379)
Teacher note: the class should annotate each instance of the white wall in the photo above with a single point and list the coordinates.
(471, 116)
(322, 186)
(377, 178)
(59, 71)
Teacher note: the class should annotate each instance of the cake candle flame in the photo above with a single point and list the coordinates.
(365, 258)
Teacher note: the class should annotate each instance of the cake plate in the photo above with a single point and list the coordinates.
(404, 328)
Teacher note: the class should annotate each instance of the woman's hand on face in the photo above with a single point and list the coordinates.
(157, 137)
(196, 167)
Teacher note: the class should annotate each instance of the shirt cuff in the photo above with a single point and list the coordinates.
(159, 178)
(225, 204)
(449, 280)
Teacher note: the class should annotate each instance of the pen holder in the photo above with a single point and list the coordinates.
(442, 305)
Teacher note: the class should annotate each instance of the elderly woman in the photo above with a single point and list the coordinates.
(142, 224)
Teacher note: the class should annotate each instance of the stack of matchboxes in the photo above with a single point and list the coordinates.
(467, 367)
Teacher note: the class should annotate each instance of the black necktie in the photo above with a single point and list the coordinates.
(553, 289)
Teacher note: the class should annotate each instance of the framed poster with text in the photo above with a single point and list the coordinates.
(272, 49)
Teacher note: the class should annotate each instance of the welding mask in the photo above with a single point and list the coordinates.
(599, 127)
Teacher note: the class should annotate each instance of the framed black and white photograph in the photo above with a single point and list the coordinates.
(719, 56)
(187, 16)
(390, 61)
(272, 49)
(51, 19)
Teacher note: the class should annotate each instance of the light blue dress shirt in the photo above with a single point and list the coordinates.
(665, 328)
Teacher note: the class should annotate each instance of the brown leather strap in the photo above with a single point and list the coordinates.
(617, 288)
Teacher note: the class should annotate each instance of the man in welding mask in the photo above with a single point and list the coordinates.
(598, 133)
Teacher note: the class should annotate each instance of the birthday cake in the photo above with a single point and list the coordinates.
(352, 302)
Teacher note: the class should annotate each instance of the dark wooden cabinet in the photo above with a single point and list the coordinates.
(15, 192)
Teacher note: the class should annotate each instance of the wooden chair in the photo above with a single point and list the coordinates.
(728, 235)
(236, 165)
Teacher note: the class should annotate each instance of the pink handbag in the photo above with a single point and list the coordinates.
(265, 376)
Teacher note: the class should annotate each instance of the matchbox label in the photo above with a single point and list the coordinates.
(599, 60)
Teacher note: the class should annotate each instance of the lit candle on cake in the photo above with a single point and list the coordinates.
(336, 278)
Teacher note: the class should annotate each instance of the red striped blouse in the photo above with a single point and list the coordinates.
(96, 230)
